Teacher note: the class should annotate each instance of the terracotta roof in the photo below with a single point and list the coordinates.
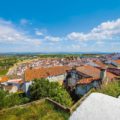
(100, 64)
(111, 66)
(110, 75)
(3, 79)
(117, 61)
(86, 80)
(89, 80)
(90, 70)
(94, 73)
(31, 74)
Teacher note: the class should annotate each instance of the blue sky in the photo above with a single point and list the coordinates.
(59, 25)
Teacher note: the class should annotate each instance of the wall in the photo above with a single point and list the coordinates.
(51, 79)
(26, 86)
(83, 89)
(56, 78)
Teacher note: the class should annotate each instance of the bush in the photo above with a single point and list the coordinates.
(11, 99)
(112, 89)
(42, 88)
(8, 100)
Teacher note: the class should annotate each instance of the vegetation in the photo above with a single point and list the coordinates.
(112, 89)
(10, 99)
(35, 111)
(39, 111)
(39, 89)
(58, 55)
(7, 61)
(42, 88)
(3, 72)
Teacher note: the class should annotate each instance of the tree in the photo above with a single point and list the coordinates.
(42, 88)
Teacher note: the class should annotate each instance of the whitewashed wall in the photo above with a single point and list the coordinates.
(56, 78)
(51, 79)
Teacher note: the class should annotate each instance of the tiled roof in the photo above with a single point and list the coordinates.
(89, 70)
(114, 71)
(100, 64)
(111, 66)
(31, 74)
(117, 61)
(3, 79)
(94, 73)
(110, 75)
(86, 80)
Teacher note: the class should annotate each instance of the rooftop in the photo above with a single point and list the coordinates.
(100, 64)
(89, 70)
(117, 61)
(3, 79)
(95, 73)
(31, 74)
(86, 80)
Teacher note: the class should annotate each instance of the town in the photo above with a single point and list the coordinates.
(59, 59)
(88, 69)
(78, 75)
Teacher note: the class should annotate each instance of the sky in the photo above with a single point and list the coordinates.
(59, 26)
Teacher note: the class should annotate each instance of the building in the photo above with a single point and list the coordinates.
(12, 85)
(55, 74)
(3, 80)
(83, 78)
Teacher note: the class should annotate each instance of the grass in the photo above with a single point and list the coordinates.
(112, 89)
(3, 72)
(41, 111)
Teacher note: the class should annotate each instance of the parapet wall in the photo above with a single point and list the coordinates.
(56, 104)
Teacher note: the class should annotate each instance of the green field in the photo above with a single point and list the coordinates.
(3, 72)
(41, 111)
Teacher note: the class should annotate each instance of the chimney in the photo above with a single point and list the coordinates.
(103, 76)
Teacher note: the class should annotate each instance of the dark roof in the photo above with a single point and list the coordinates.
(114, 71)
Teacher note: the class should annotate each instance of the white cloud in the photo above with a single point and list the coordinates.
(104, 31)
(39, 33)
(10, 34)
(14, 39)
(52, 39)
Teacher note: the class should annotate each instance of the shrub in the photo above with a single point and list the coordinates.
(112, 89)
(11, 99)
(42, 88)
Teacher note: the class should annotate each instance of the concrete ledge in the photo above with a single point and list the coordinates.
(58, 105)
(25, 105)
(79, 102)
